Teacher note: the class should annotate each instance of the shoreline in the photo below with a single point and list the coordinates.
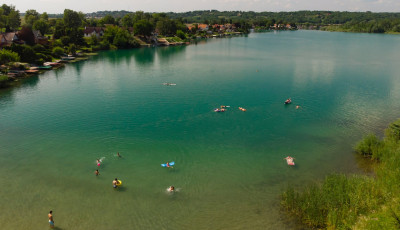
(18, 76)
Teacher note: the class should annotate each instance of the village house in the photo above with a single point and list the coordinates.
(39, 38)
(203, 27)
(9, 38)
(97, 31)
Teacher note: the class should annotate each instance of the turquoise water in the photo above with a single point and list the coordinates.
(229, 166)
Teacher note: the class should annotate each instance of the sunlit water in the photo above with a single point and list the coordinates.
(229, 167)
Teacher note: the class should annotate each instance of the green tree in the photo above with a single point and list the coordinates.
(108, 19)
(166, 27)
(143, 27)
(3, 19)
(42, 26)
(109, 33)
(31, 16)
(121, 39)
(13, 21)
(59, 29)
(127, 20)
(44, 16)
(72, 19)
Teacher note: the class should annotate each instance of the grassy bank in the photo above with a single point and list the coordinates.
(355, 201)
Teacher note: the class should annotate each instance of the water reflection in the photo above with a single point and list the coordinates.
(144, 56)
(165, 53)
(7, 94)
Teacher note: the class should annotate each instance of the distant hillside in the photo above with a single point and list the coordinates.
(115, 14)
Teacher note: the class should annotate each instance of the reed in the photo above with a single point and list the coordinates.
(355, 201)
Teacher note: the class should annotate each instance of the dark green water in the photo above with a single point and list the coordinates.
(229, 166)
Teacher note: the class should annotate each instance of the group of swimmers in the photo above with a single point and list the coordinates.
(115, 182)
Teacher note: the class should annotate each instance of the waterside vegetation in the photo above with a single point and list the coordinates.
(355, 201)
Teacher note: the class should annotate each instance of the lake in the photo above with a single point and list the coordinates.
(229, 169)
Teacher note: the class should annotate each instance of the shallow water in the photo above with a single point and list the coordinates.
(229, 166)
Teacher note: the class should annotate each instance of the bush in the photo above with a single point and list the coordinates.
(39, 48)
(368, 146)
(58, 51)
(8, 56)
(180, 34)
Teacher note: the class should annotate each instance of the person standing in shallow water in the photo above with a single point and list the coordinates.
(115, 183)
(97, 172)
(51, 221)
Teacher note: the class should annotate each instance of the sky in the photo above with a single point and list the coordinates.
(89, 6)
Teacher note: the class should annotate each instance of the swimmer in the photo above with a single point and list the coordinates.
(171, 189)
(297, 106)
(115, 183)
(96, 172)
(118, 155)
(167, 164)
(51, 220)
(98, 162)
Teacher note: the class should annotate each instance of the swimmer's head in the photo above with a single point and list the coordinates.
(116, 179)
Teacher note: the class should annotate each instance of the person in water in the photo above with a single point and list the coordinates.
(171, 188)
(115, 183)
(118, 155)
(297, 106)
(167, 164)
(98, 162)
(51, 220)
(96, 172)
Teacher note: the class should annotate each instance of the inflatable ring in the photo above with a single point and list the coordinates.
(119, 183)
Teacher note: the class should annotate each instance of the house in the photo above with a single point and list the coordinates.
(9, 38)
(97, 31)
(3, 41)
(203, 27)
(39, 38)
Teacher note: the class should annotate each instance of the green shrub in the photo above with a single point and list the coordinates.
(58, 51)
(39, 48)
(8, 56)
(180, 34)
(368, 146)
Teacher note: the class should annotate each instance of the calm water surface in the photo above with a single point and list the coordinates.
(229, 166)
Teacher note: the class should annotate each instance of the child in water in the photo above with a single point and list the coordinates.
(171, 189)
(98, 162)
(97, 172)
